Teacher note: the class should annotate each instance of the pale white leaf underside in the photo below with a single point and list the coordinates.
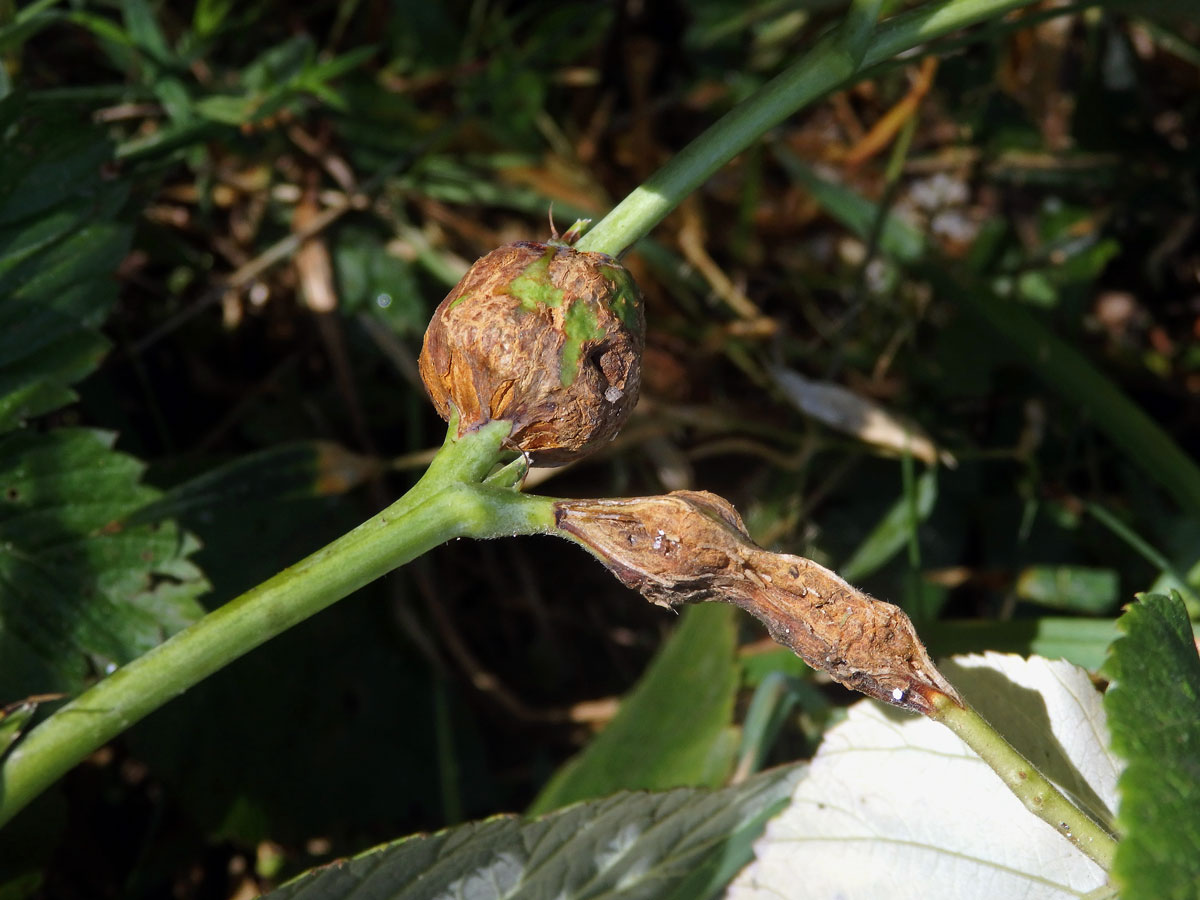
(897, 807)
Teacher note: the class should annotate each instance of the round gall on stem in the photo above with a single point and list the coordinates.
(543, 336)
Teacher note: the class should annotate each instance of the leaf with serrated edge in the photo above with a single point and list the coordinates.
(56, 265)
(1154, 703)
(627, 846)
(80, 590)
(898, 807)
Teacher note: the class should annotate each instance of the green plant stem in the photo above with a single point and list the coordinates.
(832, 63)
(1148, 553)
(447, 502)
(1030, 786)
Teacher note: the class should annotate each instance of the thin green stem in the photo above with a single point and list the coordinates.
(835, 61)
(447, 502)
(1030, 786)
(854, 32)
(1150, 554)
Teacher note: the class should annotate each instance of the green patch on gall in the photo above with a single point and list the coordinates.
(581, 325)
(624, 302)
(533, 287)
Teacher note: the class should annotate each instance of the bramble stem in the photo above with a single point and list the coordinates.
(1030, 786)
(834, 62)
(447, 502)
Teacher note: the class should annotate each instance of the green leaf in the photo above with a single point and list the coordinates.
(28, 22)
(891, 533)
(373, 280)
(299, 470)
(757, 667)
(58, 248)
(66, 273)
(22, 887)
(674, 727)
(276, 79)
(172, 137)
(228, 109)
(897, 239)
(1069, 587)
(328, 70)
(210, 15)
(173, 94)
(710, 877)
(46, 165)
(26, 237)
(279, 65)
(1152, 709)
(770, 707)
(20, 401)
(1081, 641)
(13, 719)
(140, 24)
(115, 40)
(627, 846)
(1036, 289)
(80, 592)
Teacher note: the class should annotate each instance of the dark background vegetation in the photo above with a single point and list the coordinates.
(1054, 167)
